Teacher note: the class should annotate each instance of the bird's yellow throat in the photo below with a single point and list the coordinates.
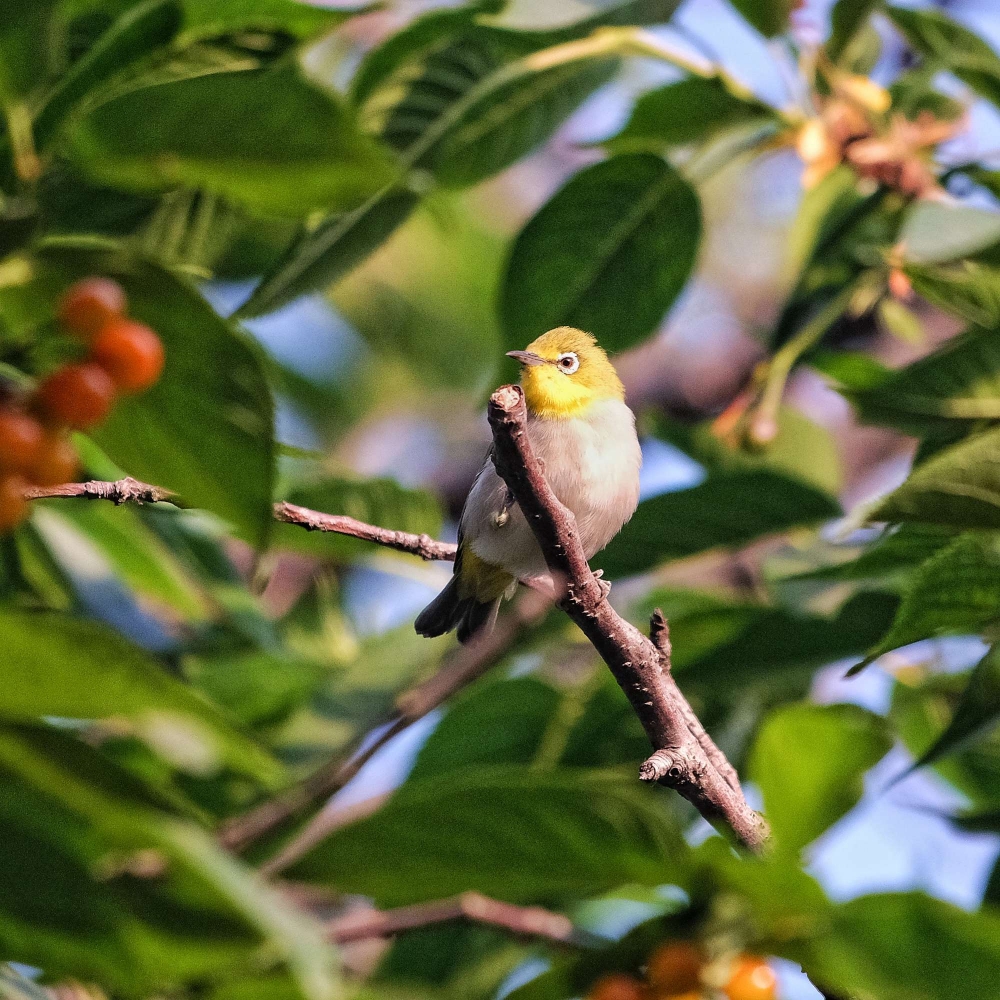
(553, 394)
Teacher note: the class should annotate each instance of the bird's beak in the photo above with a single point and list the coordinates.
(526, 357)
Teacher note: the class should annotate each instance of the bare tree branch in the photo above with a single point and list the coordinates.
(642, 669)
(529, 921)
(127, 490)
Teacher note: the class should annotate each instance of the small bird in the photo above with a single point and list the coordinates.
(584, 434)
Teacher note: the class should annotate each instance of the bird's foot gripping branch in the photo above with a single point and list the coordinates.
(684, 757)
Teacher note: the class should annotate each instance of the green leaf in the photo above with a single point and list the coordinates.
(901, 946)
(685, 112)
(969, 289)
(956, 591)
(376, 501)
(729, 509)
(321, 256)
(291, 149)
(769, 17)
(609, 253)
(810, 761)
(847, 19)
(60, 666)
(958, 487)
(142, 29)
(25, 55)
(936, 232)
(949, 46)
(213, 18)
(975, 716)
(958, 383)
(498, 831)
(205, 429)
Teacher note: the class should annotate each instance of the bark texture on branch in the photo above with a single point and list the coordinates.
(684, 757)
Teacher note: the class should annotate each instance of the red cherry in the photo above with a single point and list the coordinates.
(88, 304)
(13, 503)
(131, 353)
(77, 396)
(56, 462)
(20, 438)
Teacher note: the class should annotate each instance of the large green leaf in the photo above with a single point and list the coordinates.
(958, 487)
(958, 383)
(376, 501)
(956, 591)
(25, 48)
(969, 289)
(72, 822)
(936, 232)
(769, 17)
(976, 714)
(205, 430)
(211, 18)
(58, 665)
(509, 832)
(291, 149)
(729, 509)
(142, 29)
(949, 46)
(688, 111)
(608, 254)
(809, 762)
(847, 19)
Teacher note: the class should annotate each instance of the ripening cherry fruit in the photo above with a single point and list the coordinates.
(13, 503)
(55, 462)
(675, 967)
(617, 986)
(88, 304)
(130, 352)
(78, 396)
(752, 979)
(20, 438)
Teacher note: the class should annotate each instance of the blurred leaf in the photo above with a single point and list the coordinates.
(846, 20)
(959, 382)
(810, 761)
(968, 289)
(688, 111)
(498, 831)
(949, 46)
(724, 644)
(976, 714)
(212, 18)
(25, 56)
(802, 449)
(499, 723)
(376, 501)
(60, 666)
(142, 29)
(729, 509)
(956, 591)
(912, 92)
(936, 232)
(769, 17)
(202, 913)
(900, 946)
(321, 256)
(958, 487)
(609, 253)
(293, 148)
(205, 429)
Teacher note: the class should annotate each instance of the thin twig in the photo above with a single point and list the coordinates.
(528, 921)
(680, 759)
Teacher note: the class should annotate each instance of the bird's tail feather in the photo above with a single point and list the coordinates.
(450, 610)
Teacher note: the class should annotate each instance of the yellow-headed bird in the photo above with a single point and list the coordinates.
(581, 429)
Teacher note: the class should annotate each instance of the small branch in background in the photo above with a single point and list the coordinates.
(642, 668)
(127, 490)
(462, 667)
(527, 921)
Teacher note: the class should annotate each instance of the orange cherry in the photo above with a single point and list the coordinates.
(617, 986)
(88, 304)
(56, 461)
(13, 503)
(752, 979)
(20, 438)
(130, 352)
(675, 967)
(77, 396)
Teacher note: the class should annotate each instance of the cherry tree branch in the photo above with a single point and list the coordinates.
(684, 757)
(527, 921)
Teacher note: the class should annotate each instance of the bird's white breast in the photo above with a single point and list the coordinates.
(592, 464)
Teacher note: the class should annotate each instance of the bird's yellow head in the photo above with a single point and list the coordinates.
(564, 372)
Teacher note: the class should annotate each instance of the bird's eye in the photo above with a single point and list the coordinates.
(568, 363)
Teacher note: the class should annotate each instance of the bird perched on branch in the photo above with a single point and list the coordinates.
(584, 434)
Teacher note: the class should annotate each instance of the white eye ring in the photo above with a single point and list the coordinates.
(568, 363)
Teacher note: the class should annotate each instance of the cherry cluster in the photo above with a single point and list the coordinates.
(123, 357)
(676, 970)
